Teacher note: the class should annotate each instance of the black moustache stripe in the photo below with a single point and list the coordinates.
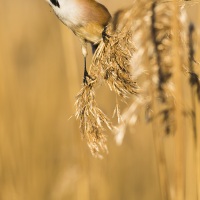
(55, 3)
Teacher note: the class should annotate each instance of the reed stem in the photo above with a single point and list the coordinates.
(179, 132)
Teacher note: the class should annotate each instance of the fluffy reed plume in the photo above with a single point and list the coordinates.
(91, 120)
(153, 37)
(137, 47)
(111, 64)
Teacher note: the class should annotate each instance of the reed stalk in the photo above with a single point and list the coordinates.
(158, 131)
(179, 133)
(194, 84)
(198, 113)
(159, 150)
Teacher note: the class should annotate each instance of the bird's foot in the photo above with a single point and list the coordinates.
(86, 75)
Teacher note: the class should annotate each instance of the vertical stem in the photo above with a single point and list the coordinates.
(198, 150)
(158, 133)
(192, 79)
(194, 99)
(198, 116)
(179, 134)
(161, 161)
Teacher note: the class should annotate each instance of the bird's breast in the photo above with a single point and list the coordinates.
(90, 32)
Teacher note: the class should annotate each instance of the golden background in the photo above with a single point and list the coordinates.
(42, 155)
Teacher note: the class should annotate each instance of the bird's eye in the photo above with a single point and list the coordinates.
(55, 3)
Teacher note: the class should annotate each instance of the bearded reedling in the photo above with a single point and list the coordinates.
(86, 18)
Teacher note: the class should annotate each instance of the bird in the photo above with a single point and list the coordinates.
(87, 19)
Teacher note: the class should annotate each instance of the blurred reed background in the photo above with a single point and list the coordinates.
(42, 155)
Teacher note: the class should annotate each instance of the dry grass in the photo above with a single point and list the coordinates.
(151, 74)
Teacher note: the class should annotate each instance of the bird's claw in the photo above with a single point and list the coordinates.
(86, 75)
(105, 36)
